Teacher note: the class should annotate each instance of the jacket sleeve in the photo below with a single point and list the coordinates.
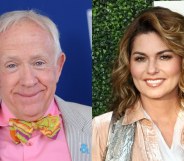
(100, 127)
(96, 147)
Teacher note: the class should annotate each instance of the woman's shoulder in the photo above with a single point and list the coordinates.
(100, 134)
(101, 124)
(104, 118)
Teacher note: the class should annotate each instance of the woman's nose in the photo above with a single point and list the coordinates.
(152, 67)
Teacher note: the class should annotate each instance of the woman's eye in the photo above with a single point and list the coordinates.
(165, 57)
(140, 59)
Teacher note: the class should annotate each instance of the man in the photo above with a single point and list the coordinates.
(36, 125)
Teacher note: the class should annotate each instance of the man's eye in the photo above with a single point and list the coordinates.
(39, 63)
(10, 66)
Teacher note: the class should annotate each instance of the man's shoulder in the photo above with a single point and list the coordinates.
(75, 115)
(82, 110)
(77, 123)
(79, 107)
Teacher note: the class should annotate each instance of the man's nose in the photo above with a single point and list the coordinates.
(28, 77)
(152, 67)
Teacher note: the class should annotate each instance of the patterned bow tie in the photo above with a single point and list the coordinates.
(21, 131)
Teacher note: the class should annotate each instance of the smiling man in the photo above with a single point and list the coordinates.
(34, 123)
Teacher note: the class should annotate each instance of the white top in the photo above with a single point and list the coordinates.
(176, 152)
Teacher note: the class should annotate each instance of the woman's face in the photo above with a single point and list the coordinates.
(155, 69)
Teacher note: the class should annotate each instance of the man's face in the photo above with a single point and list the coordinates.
(28, 70)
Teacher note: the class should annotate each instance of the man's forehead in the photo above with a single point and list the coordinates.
(24, 23)
(25, 26)
(26, 34)
(25, 39)
(15, 56)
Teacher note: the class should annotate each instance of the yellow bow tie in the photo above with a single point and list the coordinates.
(21, 131)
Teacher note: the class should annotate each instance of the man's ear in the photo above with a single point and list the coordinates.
(60, 63)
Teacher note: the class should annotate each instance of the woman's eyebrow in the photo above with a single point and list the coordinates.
(164, 51)
(158, 53)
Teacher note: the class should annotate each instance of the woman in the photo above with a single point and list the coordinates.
(147, 122)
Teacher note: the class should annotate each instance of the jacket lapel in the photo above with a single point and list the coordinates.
(76, 131)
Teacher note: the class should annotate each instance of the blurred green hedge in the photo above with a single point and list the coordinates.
(110, 18)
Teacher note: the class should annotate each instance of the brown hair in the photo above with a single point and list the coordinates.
(169, 26)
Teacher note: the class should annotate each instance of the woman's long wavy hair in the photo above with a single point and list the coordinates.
(169, 26)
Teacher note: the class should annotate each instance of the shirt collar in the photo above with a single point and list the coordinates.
(134, 114)
(5, 114)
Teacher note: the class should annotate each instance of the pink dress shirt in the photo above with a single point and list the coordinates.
(39, 147)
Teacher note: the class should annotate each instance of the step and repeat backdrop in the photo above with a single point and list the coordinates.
(73, 18)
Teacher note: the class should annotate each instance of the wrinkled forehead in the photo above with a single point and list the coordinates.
(8, 23)
(25, 24)
(25, 30)
(25, 37)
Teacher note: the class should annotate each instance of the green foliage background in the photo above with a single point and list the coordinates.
(110, 19)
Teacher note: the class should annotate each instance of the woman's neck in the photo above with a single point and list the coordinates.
(164, 114)
(161, 109)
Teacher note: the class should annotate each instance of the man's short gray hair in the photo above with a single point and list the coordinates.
(13, 17)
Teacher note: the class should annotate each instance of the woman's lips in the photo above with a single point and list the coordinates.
(154, 82)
